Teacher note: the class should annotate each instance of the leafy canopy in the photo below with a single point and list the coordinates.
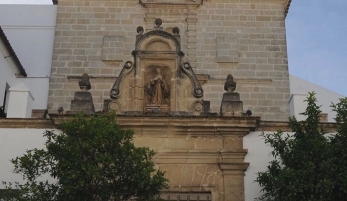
(92, 159)
(309, 165)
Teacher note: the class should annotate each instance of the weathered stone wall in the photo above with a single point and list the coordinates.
(198, 154)
(244, 38)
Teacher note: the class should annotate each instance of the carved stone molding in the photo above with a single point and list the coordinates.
(26, 123)
(197, 126)
(200, 157)
(233, 168)
(178, 4)
(198, 92)
(73, 78)
(115, 91)
(203, 78)
(285, 127)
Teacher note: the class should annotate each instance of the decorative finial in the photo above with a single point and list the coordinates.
(158, 22)
(140, 30)
(60, 110)
(230, 85)
(84, 82)
(176, 30)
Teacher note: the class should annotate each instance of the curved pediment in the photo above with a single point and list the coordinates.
(158, 40)
(156, 44)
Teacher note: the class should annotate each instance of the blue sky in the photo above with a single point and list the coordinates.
(317, 41)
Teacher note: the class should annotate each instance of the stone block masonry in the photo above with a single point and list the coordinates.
(243, 38)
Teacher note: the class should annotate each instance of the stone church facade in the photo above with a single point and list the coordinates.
(164, 67)
(217, 37)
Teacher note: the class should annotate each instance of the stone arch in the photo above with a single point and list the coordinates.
(158, 45)
(162, 39)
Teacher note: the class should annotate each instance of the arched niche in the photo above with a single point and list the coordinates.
(156, 51)
(163, 40)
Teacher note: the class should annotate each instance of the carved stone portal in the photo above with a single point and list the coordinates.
(158, 82)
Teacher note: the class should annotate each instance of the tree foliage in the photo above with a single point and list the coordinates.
(91, 160)
(309, 165)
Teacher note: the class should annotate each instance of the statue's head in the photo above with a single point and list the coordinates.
(157, 70)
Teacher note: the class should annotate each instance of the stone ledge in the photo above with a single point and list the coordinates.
(178, 4)
(202, 78)
(78, 77)
(200, 156)
(233, 168)
(284, 126)
(189, 125)
(26, 123)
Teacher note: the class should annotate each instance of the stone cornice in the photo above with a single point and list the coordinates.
(207, 126)
(284, 126)
(176, 4)
(26, 123)
(200, 156)
(233, 168)
(189, 125)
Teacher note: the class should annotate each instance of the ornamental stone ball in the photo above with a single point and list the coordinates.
(176, 30)
(230, 85)
(158, 22)
(140, 30)
(84, 82)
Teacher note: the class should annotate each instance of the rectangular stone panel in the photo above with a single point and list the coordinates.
(227, 49)
(113, 48)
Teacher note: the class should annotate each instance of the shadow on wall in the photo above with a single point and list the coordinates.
(2, 112)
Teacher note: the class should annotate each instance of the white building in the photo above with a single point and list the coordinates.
(27, 36)
(299, 90)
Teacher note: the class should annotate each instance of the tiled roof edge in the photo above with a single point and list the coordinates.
(12, 53)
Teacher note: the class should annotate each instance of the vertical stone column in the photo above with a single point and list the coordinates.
(234, 187)
(191, 38)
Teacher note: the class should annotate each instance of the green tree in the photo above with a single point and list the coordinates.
(338, 152)
(92, 159)
(309, 165)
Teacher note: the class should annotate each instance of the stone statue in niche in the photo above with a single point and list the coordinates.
(158, 89)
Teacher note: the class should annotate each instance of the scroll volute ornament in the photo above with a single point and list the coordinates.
(198, 92)
(115, 91)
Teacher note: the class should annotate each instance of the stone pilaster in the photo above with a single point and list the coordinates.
(233, 175)
(191, 38)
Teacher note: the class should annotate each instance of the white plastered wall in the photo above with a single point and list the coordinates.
(13, 143)
(299, 89)
(30, 30)
(259, 157)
